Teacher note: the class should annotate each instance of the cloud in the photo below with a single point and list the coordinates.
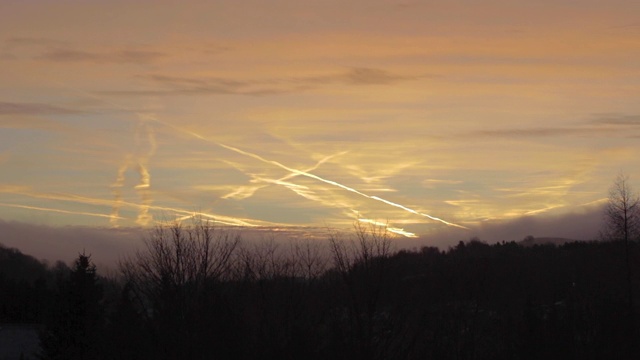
(582, 223)
(618, 120)
(33, 41)
(30, 115)
(13, 46)
(110, 244)
(41, 48)
(541, 132)
(12, 108)
(188, 85)
(369, 76)
(117, 56)
(433, 182)
(603, 124)
(176, 85)
(107, 246)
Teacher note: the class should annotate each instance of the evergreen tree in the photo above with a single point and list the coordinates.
(74, 331)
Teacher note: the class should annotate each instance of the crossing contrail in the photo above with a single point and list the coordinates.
(336, 184)
(244, 192)
(307, 174)
(293, 172)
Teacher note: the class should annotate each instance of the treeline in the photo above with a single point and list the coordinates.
(26, 286)
(196, 292)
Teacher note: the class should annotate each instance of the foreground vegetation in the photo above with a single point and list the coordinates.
(198, 293)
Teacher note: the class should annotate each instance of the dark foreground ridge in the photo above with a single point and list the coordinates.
(197, 293)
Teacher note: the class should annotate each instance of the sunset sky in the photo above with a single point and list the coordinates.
(433, 117)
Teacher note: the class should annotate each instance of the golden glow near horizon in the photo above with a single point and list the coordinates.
(420, 116)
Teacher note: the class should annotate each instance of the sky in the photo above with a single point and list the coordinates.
(439, 120)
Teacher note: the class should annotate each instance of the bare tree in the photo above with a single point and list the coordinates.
(181, 258)
(622, 214)
(622, 223)
(309, 258)
(261, 261)
(361, 263)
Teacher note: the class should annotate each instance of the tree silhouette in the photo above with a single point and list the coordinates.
(622, 223)
(75, 330)
(361, 263)
(175, 280)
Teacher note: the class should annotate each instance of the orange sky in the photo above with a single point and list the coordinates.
(429, 116)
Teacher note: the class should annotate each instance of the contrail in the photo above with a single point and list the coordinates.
(534, 212)
(222, 219)
(56, 210)
(394, 230)
(309, 175)
(291, 170)
(141, 162)
(244, 192)
(116, 189)
(417, 213)
(307, 193)
(144, 136)
(143, 188)
(316, 177)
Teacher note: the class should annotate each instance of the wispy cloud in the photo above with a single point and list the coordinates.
(620, 121)
(34, 116)
(434, 182)
(542, 132)
(47, 49)
(376, 173)
(369, 76)
(116, 56)
(19, 41)
(190, 85)
(15, 46)
(24, 108)
(601, 125)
